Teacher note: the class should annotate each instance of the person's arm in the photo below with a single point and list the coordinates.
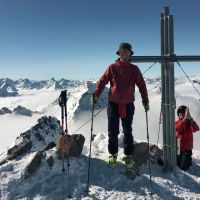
(194, 125)
(142, 86)
(102, 82)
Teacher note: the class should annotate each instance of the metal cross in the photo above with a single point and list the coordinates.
(167, 59)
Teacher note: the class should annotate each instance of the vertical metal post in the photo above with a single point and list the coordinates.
(172, 98)
(166, 91)
(168, 100)
(162, 35)
(170, 91)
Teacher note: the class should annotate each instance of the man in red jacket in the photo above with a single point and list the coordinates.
(185, 127)
(122, 76)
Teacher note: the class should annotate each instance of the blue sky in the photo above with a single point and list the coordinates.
(77, 39)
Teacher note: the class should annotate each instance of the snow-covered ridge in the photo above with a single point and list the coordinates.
(178, 81)
(10, 88)
(41, 97)
(105, 182)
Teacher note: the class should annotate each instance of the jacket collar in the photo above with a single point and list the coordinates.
(119, 62)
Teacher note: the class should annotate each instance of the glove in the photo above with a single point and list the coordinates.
(146, 106)
(94, 99)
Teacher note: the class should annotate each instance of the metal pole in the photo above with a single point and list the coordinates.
(164, 58)
(166, 89)
(172, 97)
(162, 36)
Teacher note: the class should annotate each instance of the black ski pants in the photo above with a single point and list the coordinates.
(113, 128)
(184, 160)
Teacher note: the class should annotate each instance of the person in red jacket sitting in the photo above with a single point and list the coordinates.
(185, 127)
(122, 76)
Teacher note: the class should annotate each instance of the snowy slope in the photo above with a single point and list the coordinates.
(105, 183)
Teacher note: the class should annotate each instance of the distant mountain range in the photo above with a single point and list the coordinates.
(79, 94)
(9, 87)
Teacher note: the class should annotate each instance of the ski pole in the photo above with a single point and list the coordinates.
(151, 193)
(67, 142)
(88, 178)
(64, 148)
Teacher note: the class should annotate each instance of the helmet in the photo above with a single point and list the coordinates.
(181, 109)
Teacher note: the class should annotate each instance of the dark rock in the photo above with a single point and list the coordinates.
(3, 161)
(5, 110)
(74, 146)
(155, 154)
(25, 135)
(20, 110)
(49, 146)
(37, 127)
(33, 165)
(50, 161)
(8, 90)
(18, 150)
(140, 154)
(38, 136)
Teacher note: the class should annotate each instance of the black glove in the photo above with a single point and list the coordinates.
(94, 99)
(146, 106)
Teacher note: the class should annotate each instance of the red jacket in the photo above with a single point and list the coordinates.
(184, 131)
(122, 77)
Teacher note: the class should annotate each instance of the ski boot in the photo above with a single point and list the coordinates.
(130, 163)
(112, 160)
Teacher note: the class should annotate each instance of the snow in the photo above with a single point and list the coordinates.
(105, 183)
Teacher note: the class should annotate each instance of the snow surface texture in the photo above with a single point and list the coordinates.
(105, 183)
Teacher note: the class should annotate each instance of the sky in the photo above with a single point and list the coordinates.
(78, 39)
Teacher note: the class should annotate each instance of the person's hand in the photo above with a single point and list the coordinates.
(94, 99)
(146, 106)
(187, 115)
